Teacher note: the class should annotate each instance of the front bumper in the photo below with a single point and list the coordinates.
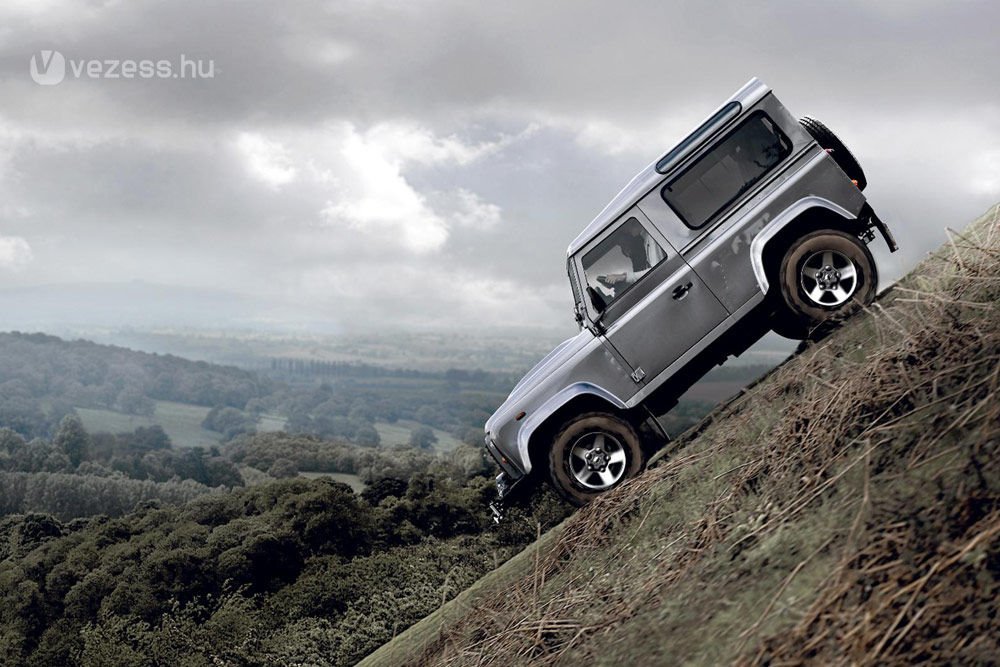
(510, 478)
(508, 466)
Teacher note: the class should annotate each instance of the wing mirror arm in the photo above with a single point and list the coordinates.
(597, 300)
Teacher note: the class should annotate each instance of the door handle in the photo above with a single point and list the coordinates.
(681, 291)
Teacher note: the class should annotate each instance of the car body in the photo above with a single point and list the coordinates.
(675, 274)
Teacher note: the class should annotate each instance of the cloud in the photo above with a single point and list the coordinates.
(471, 211)
(374, 196)
(318, 51)
(266, 160)
(985, 167)
(403, 142)
(378, 200)
(15, 253)
(431, 162)
(420, 296)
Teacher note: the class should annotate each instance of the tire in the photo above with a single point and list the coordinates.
(824, 277)
(838, 151)
(610, 439)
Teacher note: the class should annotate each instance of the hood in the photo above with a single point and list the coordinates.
(557, 357)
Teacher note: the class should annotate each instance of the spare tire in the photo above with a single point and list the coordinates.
(838, 151)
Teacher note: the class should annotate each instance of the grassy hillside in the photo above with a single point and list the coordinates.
(846, 509)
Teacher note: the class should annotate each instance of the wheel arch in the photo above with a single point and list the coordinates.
(807, 215)
(535, 438)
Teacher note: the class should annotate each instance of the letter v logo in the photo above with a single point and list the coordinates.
(48, 68)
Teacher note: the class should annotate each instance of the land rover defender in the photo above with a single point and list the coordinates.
(756, 221)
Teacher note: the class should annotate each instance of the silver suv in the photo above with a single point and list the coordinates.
(754, 222)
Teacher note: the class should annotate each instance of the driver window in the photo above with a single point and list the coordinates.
(620, 260)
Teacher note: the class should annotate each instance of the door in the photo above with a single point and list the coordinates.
(655, 307)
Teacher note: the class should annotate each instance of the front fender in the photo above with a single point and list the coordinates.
(551, 406)
(779, 223)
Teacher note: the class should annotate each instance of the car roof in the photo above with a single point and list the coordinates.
(646, 179)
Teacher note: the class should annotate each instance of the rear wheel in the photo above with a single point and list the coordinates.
(592, 454)
(824, 277)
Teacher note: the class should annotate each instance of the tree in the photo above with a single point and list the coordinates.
(132, 401)
(367, 436)
(423, 437)
(384, 488)
(145, 439)
(228, 421)
(72, 439)
(283, 468)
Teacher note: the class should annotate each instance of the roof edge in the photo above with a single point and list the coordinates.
(747, 95)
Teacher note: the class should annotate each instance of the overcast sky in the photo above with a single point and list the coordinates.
(365, 163)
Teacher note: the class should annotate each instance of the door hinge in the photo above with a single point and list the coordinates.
(638, 374)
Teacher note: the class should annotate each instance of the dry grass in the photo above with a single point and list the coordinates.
(844, 510)
(920, 581)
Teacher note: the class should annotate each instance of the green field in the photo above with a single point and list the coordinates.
(182, 422)
(399, 434)
(271, 423)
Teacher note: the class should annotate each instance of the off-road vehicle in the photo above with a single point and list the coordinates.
(755, 221)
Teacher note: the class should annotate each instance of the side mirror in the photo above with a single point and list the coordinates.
(595, 298)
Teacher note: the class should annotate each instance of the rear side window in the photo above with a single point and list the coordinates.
(728, 170)
(720, 118)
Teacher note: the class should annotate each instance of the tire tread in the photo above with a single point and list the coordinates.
(825, 137)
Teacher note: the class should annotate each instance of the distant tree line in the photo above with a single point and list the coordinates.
(314, 454)
(67, 496)
(143, 454)
(42, 377)
(281, 366)
(78, 474)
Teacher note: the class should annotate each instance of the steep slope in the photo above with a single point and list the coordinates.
(846, 509)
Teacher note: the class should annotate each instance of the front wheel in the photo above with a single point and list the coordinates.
(592, 454)
(824, 277)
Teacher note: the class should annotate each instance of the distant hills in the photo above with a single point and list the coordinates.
(62, 307)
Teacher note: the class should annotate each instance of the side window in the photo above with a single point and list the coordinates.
(620, 260)
(721, 117)
(728, 170)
